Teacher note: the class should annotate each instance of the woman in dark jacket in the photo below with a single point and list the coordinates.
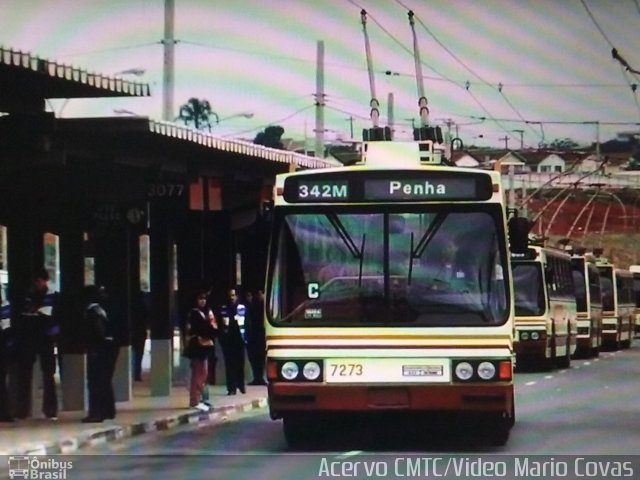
(201, 330)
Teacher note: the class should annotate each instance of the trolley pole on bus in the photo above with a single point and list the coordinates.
(512, 190)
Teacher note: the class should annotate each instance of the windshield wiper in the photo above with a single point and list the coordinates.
(426, 238)
(349, 243)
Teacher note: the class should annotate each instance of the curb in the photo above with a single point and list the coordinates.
(112, 433)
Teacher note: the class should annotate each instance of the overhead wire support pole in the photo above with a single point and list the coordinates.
(319, 150)
(374, 104)
(168, 74)
(422, 99)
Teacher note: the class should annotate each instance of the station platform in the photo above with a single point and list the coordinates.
(140, 415)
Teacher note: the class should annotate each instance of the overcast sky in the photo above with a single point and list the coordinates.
(541, 66)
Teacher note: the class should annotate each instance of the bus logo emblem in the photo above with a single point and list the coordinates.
(18, 466)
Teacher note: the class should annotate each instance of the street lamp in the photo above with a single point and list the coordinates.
(135, 71)
(236, 115)
(138, 72)
(124, 111)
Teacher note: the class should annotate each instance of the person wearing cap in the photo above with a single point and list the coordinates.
(102, 353)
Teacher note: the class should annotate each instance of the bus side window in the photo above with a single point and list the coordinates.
(549, 278)
(594, 289)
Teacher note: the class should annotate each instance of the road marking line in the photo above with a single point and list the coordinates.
(352, 453)
(530, 383)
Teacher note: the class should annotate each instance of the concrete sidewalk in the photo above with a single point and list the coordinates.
(142, 414)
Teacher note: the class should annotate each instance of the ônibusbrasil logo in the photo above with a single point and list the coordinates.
(34, 467)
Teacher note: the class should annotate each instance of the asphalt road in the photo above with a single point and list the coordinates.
(590, 410)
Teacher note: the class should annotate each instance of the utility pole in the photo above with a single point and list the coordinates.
(448, 139)
(506, 141)
(521, 132)
(350, 120)
(597, 140)
(168, 75)
(390, 116)
(319, 147)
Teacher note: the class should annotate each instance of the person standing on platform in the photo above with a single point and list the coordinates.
(212, 358)
(36, 335)
(6, 356)
(200, 332)
(102, 353)
(233, 315)
(256, 344)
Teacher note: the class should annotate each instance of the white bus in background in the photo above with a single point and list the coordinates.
(617, 305)
(586, 282)
(635, 270)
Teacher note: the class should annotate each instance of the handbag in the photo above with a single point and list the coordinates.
(197, 347)
(204, 342)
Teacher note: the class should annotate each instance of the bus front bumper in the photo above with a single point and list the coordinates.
(297, 397)
(531, 348)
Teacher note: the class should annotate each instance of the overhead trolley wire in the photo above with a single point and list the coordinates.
(470, 70)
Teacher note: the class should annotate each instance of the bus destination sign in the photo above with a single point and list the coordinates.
(387, 186)
(407, 189)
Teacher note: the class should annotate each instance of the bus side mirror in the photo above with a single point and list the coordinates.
(519, 234)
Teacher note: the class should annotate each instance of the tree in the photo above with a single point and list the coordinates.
(270, 137)
(197, 112)
(563, 144)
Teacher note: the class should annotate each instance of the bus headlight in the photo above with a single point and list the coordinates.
(524, 336)
(289, 370)
(464, 371)
(535, 336)
(486, 370)
(311, 370)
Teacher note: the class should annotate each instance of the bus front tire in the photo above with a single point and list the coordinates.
(296, 431)
(499, 430)
(500, 435)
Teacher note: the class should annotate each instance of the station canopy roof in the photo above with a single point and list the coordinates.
(27, 80)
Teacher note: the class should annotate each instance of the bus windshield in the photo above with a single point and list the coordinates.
(528, 289)
(606, 283)
(580, 287)
(427, 267)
